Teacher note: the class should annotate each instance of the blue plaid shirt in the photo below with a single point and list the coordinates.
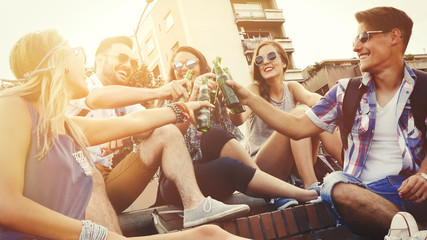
(327, 114)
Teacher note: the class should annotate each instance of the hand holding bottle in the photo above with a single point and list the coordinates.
(175, 89)
(189, 78)
(192, 106)
(231, 100)
(203, 120)
(241, 91)
(198, 82)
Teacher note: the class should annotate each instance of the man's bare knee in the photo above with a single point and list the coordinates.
(166, 133)
(343, 193)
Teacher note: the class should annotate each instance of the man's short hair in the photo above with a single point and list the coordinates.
(386, 19)
(106, 44)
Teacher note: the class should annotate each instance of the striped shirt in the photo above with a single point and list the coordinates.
(327, 114)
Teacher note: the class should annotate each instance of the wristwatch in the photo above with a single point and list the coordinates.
(423, 175)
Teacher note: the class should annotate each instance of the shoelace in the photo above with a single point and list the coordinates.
(273, 200)
(208, 201)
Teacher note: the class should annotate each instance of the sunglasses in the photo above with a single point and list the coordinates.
(80, 52)
(122, 57)
(190, 64)
(363, 37)
(271, 57)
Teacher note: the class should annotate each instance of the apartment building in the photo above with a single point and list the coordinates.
(230, 29)
(324, 75)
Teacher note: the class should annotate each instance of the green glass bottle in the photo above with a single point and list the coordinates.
(240, 108)
(231, 100)
(203, 115)
(189, 77)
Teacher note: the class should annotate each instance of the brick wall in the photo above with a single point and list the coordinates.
(304, 222)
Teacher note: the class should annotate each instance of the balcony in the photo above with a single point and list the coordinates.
(259, 15)
(294, 75)
(249, 45)
(286, 44)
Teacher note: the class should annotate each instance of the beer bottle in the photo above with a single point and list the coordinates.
(231, 100)
(203, 115)
(240, 108)
(189, 77)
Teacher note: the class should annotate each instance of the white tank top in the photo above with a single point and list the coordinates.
(384, 157)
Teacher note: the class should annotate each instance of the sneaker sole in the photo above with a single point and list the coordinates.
(318, 199)
(288, 204)
(232, 213)
(404, 227)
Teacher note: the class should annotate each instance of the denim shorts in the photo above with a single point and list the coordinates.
(386, 188)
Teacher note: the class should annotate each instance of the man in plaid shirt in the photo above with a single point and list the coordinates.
(385, 164)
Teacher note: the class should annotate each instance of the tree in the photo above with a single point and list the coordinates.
(142, 77)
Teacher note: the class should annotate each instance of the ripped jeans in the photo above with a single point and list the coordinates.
(386, 188)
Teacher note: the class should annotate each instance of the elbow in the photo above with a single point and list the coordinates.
(296, 129)
(97, 100)
(8, 215)
(94, 102)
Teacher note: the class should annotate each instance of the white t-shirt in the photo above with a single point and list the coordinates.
(76, 106)
(384, 157)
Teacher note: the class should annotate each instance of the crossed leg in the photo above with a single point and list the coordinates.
(263, 184)
(165, 147)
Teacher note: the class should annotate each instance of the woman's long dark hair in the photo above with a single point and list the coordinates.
(204, 67)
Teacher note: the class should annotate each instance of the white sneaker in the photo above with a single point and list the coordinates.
(421, 235)
(404, 227)
(212, 210)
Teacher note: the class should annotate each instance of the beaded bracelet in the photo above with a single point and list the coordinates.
(184, 111)
(93, 231)
(181, 116)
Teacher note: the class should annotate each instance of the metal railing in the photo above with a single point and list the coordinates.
(259, 14)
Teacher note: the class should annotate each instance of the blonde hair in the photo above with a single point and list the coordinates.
(44, 50)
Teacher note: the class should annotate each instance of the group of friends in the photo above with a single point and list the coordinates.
(54, 186)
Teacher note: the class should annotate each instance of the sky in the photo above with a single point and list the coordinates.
(319, 29)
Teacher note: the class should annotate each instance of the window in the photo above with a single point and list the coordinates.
(156, 72)
(169, 21)
(175, 46)
(150, 45)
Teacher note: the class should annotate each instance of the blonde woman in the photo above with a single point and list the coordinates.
(46, 180)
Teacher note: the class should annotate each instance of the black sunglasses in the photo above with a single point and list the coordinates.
(363, 37)
(190, 64)
(271, 57)
(123, 57)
